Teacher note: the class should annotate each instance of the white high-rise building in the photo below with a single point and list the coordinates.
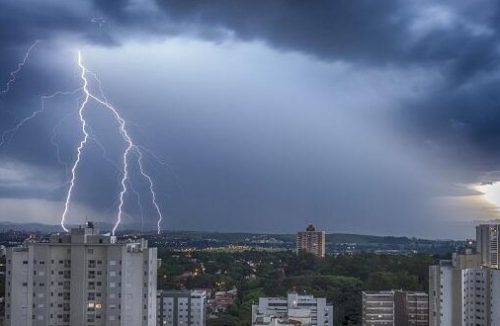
(468, 296)
(487, 244)
(81, 278)
(464, 292)
(181, 308)
(296, 308)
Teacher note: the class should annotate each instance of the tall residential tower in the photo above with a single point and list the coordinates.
(81, 278)
(466, 289)
(311, 241)
(487, 244)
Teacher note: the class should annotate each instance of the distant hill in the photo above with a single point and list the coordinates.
(40, 227)
(366, 239)
(28, 227)
(332, 238)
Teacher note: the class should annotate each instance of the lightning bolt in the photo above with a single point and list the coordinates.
(139, 203)
(10, 132)
(20, 66)
(82, 144)
(151, 189)
(130, 148)
(117, 168)
(53, 141)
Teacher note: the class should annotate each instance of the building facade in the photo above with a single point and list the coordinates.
(395, 308)
(466, 296)
(276, 321)
(311, 241)
(222, 300)
(294, 309)
(81, 278)
(466, 290)
(181, 308)
(378, 308)
(487, 245)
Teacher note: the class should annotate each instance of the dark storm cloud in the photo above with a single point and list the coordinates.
(372, 32)
(329, 29)
(369, 32)
(462, 115)
(458, 40)
(463, 122)
(461, 42)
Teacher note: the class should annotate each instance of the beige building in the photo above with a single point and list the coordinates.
(395, 308)
(311, 241)
(81, 278)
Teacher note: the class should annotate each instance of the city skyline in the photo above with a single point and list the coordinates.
(381, 123)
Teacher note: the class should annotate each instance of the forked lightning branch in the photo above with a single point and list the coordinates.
(132, 151)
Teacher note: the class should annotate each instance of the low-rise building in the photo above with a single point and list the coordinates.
(395, 308)
(295, 309)
(223, 300)
(175, 308)
(276, 321)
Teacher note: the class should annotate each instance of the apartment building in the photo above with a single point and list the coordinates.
(395, 308)
(487, 244)
(181, 308)
(295, 309)
(464, 292)
(311, 241)
(81, 278)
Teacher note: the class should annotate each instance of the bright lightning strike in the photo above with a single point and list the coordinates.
(82, 144)
(131, 147)
(53, 141)
(20, 66)
(151, 189)
(9, 133)
(112, 163)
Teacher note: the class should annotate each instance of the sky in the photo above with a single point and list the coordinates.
(256, 116)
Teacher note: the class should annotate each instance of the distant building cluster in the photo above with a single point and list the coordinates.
(466, 289)
(311, 241)
(295, 309)
(87, 278)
